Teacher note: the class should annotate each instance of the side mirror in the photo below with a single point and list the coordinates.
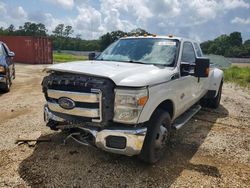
(11, 54)
(92, 56)
(201, 69)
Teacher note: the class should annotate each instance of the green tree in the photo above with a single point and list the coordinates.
(138, 31)
(105, 41)
(247, 42)
(108, 38)
(59, 30)
(68, 31)
(229, 46)
(10, 30)
(235, 39)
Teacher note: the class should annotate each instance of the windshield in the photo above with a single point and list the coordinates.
(142, 50)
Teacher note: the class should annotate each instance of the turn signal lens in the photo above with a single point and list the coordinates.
(207, 71)
(142, 101)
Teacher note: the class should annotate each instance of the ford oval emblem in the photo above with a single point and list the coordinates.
(66, 103)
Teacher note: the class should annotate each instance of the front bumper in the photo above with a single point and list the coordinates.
(2, 79)
(102, 137)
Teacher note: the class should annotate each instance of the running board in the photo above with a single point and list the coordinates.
(185, 117)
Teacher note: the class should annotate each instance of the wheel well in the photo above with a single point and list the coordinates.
(168, 106)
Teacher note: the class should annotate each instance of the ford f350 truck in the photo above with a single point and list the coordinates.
(128, 99)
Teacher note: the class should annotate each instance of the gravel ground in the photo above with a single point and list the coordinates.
(212, 150)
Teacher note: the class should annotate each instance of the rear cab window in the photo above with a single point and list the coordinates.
(198, 50)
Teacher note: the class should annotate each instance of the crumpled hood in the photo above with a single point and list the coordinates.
(123, 74)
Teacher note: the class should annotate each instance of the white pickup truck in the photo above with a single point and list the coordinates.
(128, 99)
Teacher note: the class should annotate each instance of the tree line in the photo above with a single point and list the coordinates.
(230, 45)
(62, 36)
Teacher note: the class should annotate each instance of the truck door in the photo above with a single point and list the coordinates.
(187, 81)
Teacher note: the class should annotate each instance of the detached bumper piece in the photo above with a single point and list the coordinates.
(120, 140)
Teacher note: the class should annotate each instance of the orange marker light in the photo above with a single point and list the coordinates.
(170, 36)
(207, 71)
(145, 35)
(154, 35)
(142, 101)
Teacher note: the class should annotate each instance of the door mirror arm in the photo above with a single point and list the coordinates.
(187, 68)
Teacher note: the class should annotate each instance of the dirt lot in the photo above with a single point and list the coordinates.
(212, 150)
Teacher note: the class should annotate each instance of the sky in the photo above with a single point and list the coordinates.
(196, 19)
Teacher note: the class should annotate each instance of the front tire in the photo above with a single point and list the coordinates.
(157, 137)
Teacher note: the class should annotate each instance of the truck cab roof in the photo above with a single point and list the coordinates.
(160, 37)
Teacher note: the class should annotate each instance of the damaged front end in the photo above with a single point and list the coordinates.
(84, 105)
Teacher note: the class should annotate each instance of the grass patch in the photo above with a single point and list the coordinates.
(238, 75)
(64, 57)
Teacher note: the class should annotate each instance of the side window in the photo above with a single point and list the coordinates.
(188, 54)
(198, 50)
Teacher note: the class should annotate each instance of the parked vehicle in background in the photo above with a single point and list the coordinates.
(129, 98)
(7, 67)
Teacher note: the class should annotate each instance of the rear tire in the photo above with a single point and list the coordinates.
(157, 137)
(213, 102)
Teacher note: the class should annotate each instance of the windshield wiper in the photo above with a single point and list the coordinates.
(137, 62)
(155, 64)
(104, 59)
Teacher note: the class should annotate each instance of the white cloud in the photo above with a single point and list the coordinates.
(138, 11)
(88, 21)
(232, 4)
(67, 4)
(91, 18)
(242, 21)
(2, 8)
(18, 13)
(205, 9)
(113, 22)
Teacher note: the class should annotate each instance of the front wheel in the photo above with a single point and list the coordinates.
(157, 137)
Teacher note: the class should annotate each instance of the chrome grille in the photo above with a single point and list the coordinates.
(89, 93)
(79, 97)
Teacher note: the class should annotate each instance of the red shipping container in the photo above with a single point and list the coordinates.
(29, 49)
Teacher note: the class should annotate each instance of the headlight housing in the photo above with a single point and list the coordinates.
(2, 69)
(129, 104)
